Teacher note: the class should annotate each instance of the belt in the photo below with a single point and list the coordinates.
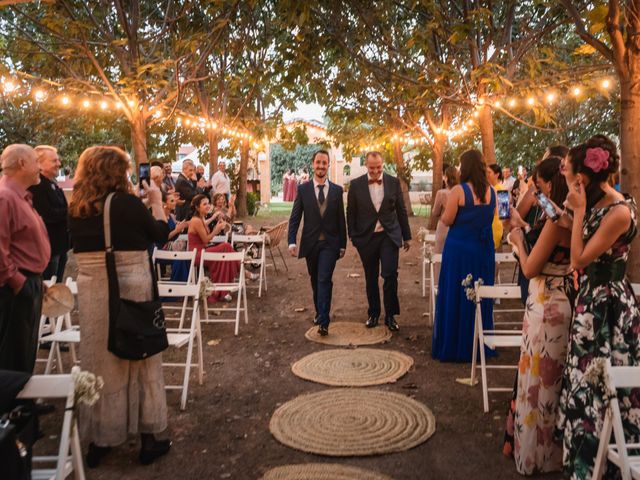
(27, 273)
(600, 273)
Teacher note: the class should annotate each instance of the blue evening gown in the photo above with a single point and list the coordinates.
(468, 249)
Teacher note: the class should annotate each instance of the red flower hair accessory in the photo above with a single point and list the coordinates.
(596, 159)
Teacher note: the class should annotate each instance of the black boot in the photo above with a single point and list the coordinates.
(96, 454)
(152, 449)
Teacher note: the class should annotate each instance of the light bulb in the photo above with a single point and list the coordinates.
(40, 95)
(65, 101)
(512, 102)
(103, 105)
(551, 97)
(606, 83)
(86, 103)
(577, 91)
(531, 101)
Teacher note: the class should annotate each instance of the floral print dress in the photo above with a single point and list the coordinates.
(545, 332)
(606, 324)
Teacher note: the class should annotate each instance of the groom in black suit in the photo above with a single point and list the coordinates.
(324, 234)
(378, 226)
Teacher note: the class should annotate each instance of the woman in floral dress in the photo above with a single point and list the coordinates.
(545, 331)
(606, 323)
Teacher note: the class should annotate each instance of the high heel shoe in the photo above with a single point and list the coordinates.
(96, 454)
(152, 449)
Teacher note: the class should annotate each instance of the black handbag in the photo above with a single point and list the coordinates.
(136, 329)
(18, 432)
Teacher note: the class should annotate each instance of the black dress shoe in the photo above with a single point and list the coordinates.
(96, 454)
(391, 323)
(152, 449)
(372, 322)
(323, 331)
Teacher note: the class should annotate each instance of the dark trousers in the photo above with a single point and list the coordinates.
(56, 267)
(381, 252)
(321, 261)
(19, 323)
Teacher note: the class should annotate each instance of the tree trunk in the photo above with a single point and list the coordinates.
(439, 142)
(402, 176)
(212, 138)
(242, 187)
(139, 139)
(485, 121)
(630, 151)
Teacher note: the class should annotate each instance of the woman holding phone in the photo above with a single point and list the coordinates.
(606, 322)
(494, 175)
(545, 331)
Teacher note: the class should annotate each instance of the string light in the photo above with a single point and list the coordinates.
(39, 95)
(606, 83)
(9, 86)
(576, 91)
(513, 102)
(531, 101)
(65, 101)
(551, 98)
(103, 105)
(86, 103)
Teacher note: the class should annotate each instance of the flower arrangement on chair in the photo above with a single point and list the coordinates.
(87, 386)
(470, 287)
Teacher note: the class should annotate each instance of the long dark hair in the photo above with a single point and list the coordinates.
(196, 201)
(497, 170)
(473, 171)
(577, 157)
(549, 171)
(451, 176)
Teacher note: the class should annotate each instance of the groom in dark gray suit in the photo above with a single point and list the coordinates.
(324, 234)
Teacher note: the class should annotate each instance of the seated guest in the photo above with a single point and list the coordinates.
(133, 398)
(199, 237)
(220, 208)
(545, 333)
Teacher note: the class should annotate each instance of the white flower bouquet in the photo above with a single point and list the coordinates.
(469, 284)
(87, 386)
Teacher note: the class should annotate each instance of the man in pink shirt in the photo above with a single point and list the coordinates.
(24, 254)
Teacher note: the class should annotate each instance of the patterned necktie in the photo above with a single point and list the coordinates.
(379, 182)
(321, 194)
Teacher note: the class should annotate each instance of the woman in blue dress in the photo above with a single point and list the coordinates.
(469, 249)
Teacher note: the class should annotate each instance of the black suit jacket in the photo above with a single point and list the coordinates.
(332, 224)
(187, 189)
(50, 202)
(362, 216)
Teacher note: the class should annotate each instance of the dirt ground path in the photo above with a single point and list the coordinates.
(224, 432)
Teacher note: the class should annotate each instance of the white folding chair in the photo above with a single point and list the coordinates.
(259, 241)
(492, 338)
(436, 259)
(429, 239)
(219, 239)
(620, 452)
(63, 331)
(636, 289)
(69, 458)
(502, 260)
(238, 286)
(169, 256)
(179, 337)
(46, 325)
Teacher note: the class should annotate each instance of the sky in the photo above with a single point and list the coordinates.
(306, 111)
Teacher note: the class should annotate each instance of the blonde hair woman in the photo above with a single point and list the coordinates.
(133, 398)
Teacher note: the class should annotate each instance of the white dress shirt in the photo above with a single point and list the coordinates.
(221, 183)
(377, 195)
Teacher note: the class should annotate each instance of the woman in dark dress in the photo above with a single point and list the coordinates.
(133, 398)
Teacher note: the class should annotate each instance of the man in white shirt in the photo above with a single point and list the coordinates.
(509, 179)
(378, 225)
(220, 182)
(324, 234)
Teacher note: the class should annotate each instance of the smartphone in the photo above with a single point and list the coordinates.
(504, 208)
(547, 206)
(144, 173)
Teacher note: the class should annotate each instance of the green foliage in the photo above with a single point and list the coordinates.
(252, 199)
(283, 160)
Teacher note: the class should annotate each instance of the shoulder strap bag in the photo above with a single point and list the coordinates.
(136, 329)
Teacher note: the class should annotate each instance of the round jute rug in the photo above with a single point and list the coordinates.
(352, 422)
(359, 367)
(350, 333)
(322, 471)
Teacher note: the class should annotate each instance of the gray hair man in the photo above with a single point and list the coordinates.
(24, 254)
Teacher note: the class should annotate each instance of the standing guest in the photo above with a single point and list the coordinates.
(50, 202)
(187, 187)
(169, 182)
(285, 186)
(507, 179)
(200, 234)
(494, 175)
(24, 254)
(293, 186)
(304, 176)
(545, 333)
(220, 182)
(157, 177)
(378, 226)
(200, 172)
(606, 322)
(469, 249)
(324, 234)
(451, 179)
(133, 397)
